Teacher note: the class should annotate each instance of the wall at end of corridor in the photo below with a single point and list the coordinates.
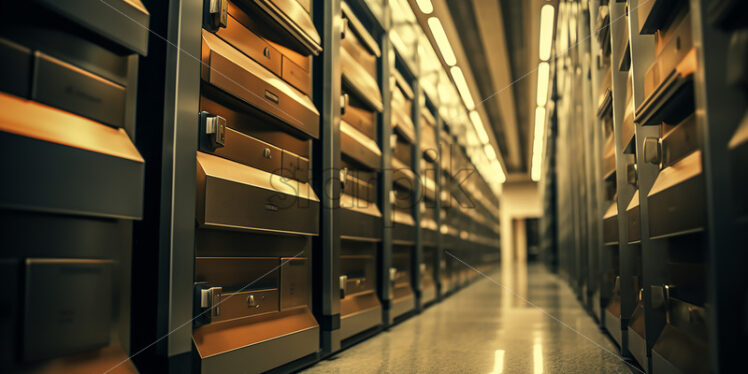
(519, 200)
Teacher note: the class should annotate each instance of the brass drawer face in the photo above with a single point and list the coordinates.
(235, 305)
(231, 71)
(251, 45)
(296, 283)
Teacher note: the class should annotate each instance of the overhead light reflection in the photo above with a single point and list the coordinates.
(537, 356)
(498, 363)
(544, 73)
(546, 31)
(442, 41)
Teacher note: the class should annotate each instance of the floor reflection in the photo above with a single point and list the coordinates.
(497, 325)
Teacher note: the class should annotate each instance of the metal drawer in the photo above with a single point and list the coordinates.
(403, 151)
(675, 203)
(296, 283)
(68, 87)
(290, 19)
(233, 196)
(238, 273)
(610, 225)
(229, 70)
(55, 145)
(67, 307)
(362, 119)
(123, 21)
(359, 147)
(249, 43)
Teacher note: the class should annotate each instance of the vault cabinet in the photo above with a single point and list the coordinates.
(448, 232)
(72, 182)
(402, 195)
(611, 289)
(428, 152)
(361, 162)
(677, 211)
(256, 211)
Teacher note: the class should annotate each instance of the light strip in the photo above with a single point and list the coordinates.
(546, 31)
(501, 177)
(462, 87)
(425, 6)
(479, 129)
(490, 153)
(537, 147)
(442, 41)
(544, 74)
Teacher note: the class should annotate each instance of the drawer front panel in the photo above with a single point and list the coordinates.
(67, 307)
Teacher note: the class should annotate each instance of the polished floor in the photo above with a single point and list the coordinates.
(523, 321)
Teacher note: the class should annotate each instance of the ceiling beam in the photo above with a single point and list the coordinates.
(491, 27)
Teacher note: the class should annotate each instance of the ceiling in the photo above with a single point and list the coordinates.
(500, 42)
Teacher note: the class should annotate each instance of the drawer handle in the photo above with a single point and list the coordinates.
(343, 177)
(266, 52)
(342, 282)
(271, 96)
(267, 154)
(344, 99)
(344, 28)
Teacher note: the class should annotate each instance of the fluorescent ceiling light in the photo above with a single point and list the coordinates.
(478, 125)
(425, 6)
(462, 87)
(546, 31)
(500, 177)
(544, 74)
(442, 41)
(537, 148)
(490, 153)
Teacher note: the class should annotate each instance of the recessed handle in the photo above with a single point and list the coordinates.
(652, 150)
(632, 176)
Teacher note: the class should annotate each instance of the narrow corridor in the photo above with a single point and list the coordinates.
(486, 328)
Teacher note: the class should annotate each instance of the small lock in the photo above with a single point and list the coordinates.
(267, 153)
(252, 301)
